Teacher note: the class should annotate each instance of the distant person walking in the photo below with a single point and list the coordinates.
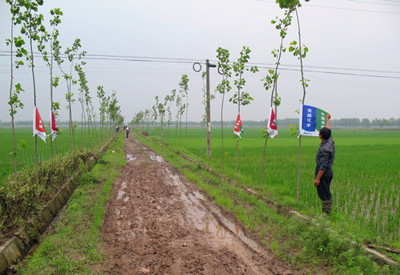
(323, 170)
(127, 131)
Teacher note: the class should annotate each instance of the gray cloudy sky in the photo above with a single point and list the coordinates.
(353, 62)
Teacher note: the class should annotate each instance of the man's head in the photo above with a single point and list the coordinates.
(325, 133)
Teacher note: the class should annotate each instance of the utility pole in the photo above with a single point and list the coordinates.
(197, 68)
(208, 113)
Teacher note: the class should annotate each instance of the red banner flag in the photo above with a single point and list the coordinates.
(238, 127)
(53, 126)
(38, 127)
(272, 126)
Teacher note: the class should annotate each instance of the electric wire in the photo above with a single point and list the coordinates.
(350, 9)
(283, 67)
(394, 3)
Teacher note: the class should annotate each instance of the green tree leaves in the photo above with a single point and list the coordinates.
(225, 70)
(242, 98)
(14, 100)
(297, 50)
(289, 4)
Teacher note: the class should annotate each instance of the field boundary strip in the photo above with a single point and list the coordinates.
(18, 246)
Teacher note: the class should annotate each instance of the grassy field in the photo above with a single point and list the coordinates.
(366, 182)
(25, 147)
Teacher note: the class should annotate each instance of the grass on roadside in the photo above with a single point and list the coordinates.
(74, 246)
(311, 248)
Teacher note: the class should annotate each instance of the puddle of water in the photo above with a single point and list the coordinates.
(130, 157)
(155, 157)
(177, 182)
(227, 234)
(120, 194)
(238, 232)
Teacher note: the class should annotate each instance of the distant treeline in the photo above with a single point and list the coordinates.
(284, 123)
(343, 122)
(337, 123)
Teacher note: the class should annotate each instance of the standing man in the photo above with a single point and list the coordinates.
(323, 171)
(127, 131)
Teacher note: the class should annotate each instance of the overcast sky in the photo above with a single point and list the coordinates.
(353, 61)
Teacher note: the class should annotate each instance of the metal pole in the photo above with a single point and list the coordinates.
(208, 99)
(208, 109)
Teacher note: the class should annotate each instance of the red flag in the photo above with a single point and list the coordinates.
(54, 128)
(38, 127)
(272, 126)
(238, 127)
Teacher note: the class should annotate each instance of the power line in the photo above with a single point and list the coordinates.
(395, 3)
(341, 73)
(264, 65)
(350, 9)
(311, 69)
(335, 68)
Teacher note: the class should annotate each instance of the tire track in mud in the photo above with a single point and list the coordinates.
(158, 223)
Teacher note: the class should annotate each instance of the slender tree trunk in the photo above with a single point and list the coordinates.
(222, 134)
(263, 161)
(180, 131)
(186, 112)
(237, 156)
(11, 103)
(176, 131)
(162, 130)
(34, 104)
(237, 140)
(71, 132)
(83, 121)
(69, 87)
(298, 170)
(51, 97)
(302, 102)
(301, 59)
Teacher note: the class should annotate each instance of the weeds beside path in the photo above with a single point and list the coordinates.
(73, 244)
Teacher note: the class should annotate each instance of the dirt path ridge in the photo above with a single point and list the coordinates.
(158, 223)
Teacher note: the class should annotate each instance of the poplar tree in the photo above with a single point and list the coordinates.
(224, 87)
(240, 97)
(184, 90)
(300, 51)
(32, 26)
(15, 89)
(271, 78)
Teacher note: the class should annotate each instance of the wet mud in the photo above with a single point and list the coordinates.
(158, 223)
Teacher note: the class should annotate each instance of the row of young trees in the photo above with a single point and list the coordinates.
(237, 69)
(283, 123)
(163, 111)
(233, 74)
(30, 30)
(270, 81)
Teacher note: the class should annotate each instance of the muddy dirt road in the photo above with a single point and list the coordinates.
(158, 223)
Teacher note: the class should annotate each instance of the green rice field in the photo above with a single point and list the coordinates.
(365, 187)
(366, 184)
(26, 152)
